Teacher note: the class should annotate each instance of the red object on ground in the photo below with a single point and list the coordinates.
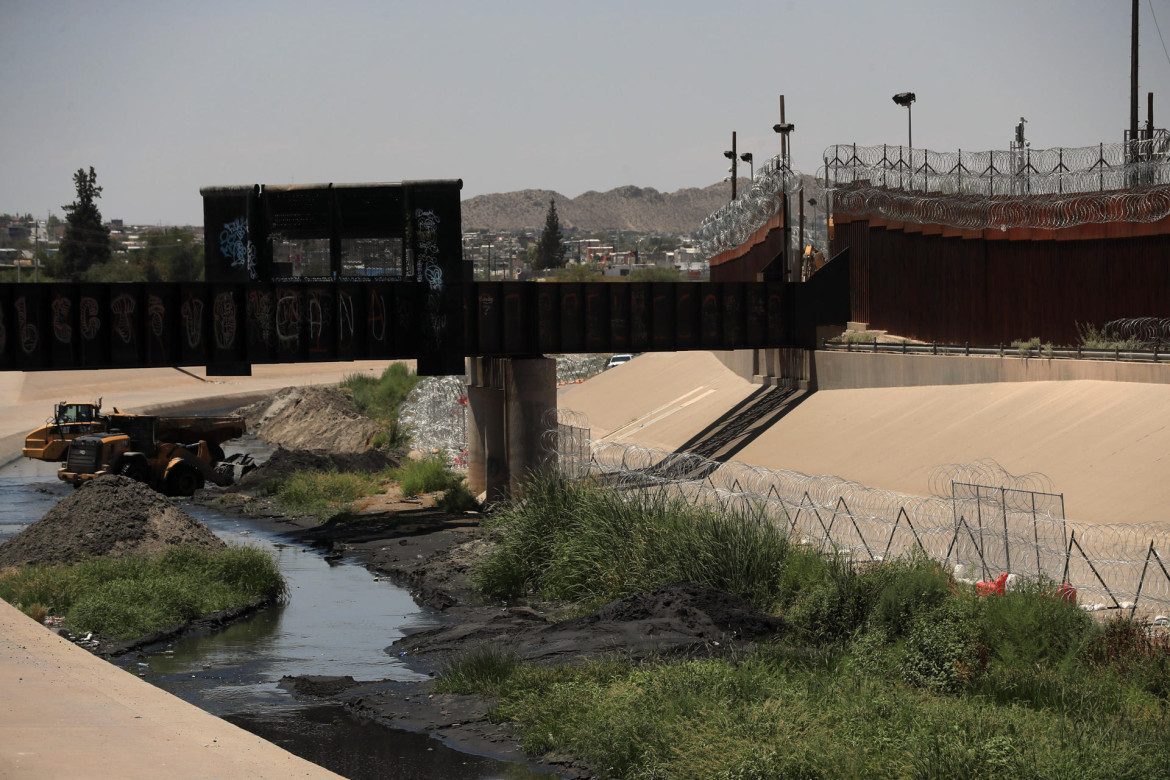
(1067, 592)
(995, 586)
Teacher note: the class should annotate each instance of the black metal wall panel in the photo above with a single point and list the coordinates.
(596, 317)
(548, 318)
(227, 324)
(619, 317)
(640, 327)
(517, 309)
(195, 324)
(351, 326)
(732, 315)
(756, 316)
(663, 328)
(489, 314)
(233, 226)
(63, 347)
(321, 322)
(30, 305)
(379, 319)
(572, 317)
(162, 325)
(686, 313)
(260, 316)
(7, 329)
(127, 315)
(710, 311)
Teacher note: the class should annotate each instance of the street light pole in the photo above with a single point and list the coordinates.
(731, 156)
(905, 99)
(747, 158)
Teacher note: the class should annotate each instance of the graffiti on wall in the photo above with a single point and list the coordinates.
(59, 309)
(224, 320)
(237, 247)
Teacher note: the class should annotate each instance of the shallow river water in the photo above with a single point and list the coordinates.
(338, 620)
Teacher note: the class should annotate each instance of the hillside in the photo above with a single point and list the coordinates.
(643, 210)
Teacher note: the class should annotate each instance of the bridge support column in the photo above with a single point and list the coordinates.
(531, 392)
(487, 450)
(508, 400)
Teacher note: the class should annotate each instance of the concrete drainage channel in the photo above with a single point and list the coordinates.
(338, 621)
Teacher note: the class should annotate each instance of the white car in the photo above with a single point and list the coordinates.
(617, 360)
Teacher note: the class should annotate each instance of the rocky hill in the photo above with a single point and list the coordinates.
(643, 210)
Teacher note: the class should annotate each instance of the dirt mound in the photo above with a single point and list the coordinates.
(684, 617)
(112, 515)
(317, 418)
(283, 462)
(685, 607)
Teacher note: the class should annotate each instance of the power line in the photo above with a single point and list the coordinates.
(1159, 29)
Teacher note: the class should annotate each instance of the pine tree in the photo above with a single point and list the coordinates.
(87, 241)
(550, 252)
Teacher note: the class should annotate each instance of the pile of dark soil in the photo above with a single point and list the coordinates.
(684, 617)
(318, 418)
(112, 515)
(284, 462)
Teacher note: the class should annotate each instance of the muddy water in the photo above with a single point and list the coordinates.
(338, 620)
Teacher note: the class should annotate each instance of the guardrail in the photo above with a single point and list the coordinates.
(1024, 351)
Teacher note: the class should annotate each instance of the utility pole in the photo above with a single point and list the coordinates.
(1133, 86)
(734, 160)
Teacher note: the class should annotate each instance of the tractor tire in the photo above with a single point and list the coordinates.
(135, 469)
(183, 481)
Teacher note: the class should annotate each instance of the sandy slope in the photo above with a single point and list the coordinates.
(1105, 445)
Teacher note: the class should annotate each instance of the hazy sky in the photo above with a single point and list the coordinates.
(165, 97)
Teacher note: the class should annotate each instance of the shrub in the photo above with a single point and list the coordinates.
(944, 651)
(380, 399)
(424, 476)
(910, 587)
(457, 499)
(1028, 626)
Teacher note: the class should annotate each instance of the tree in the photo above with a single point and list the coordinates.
(87, 240)
(174, 255)
(550, 250)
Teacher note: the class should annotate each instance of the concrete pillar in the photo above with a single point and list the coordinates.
(487, 451)
(530, 390)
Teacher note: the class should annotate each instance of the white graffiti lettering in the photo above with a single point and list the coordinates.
(224, 320)
(30, 337)
(62, 330)
(122, 308)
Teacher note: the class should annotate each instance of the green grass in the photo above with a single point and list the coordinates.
(129, 597)
(428, 475)
(323, 494)
(888, 670)
(379, 399)
(589, 545)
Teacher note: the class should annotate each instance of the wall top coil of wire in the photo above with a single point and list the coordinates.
(1019, 188)
(732, 225)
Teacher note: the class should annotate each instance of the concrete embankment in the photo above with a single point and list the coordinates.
(66, 713)
(1104, 444)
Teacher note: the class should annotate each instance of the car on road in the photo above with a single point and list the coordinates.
(617, 360)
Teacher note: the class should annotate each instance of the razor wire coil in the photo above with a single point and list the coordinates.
(981, 520)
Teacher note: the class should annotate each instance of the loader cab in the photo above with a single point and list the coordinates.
(142, 431)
